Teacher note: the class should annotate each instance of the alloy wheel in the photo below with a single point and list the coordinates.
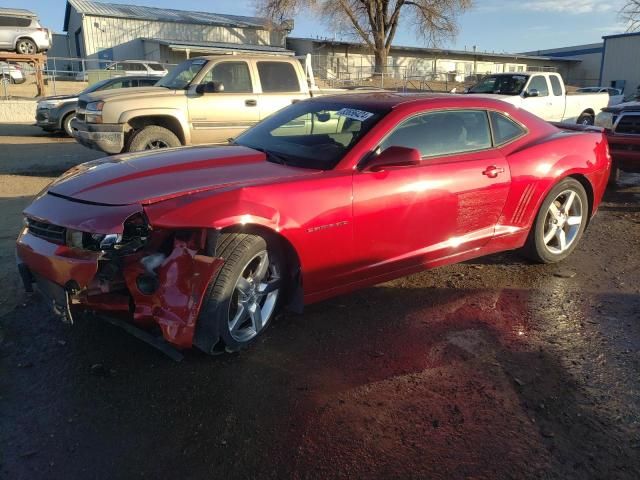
(254, 297)
(26, 48)
(562, 222)
(156, 145)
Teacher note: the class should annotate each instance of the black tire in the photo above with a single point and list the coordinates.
(66, 123)
(585, 119)
(536, 249)
(26, 46)
(153, 137)
(614, 176)
(222, 299)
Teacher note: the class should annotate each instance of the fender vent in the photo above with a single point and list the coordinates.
(523, 203)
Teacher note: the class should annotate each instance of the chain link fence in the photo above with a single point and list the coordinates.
(68, 75)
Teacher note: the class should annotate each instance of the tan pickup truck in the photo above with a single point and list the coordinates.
(203, 100)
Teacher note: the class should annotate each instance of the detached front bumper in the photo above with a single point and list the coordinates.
(168, 295)
(106, 137)
(625, 151)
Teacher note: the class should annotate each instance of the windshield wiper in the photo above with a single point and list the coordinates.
(271, 156)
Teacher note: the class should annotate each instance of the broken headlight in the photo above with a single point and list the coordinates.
(134, 236)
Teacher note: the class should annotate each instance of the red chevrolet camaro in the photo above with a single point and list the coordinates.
(324, 197)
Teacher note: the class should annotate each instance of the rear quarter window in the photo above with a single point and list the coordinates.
(504, 129)
(278, 77)
(555, 86)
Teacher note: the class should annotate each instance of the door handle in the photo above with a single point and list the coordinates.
(493, 171)
(250, 103)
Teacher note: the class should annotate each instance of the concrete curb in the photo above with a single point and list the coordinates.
(18, 111)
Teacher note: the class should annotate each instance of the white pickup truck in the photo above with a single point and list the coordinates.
(543, 94)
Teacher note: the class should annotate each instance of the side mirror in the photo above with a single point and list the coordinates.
(394, 156)
(209, 87)
(531, 93)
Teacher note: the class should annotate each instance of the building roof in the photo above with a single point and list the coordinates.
(100, 9)
(619, 35)
(220, 47)
(439, 51)
(18, 12)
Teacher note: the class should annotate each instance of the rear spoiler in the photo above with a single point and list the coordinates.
(575, 127)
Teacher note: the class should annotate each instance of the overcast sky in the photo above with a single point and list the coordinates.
(493, 25)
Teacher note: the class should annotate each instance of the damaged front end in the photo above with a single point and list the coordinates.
(108, 259)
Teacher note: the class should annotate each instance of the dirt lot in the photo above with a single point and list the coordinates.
(493, 369)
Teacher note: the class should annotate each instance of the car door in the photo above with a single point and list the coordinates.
(557, 101)
(405, 217)
(216, 117)
(279, 86)
(539, 104)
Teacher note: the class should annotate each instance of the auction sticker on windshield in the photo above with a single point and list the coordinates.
(354, 114)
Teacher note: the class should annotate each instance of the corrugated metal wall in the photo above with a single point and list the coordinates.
(621, 62)
(101, 33)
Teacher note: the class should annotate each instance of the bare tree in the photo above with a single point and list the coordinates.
(376, 21)
(630, 14)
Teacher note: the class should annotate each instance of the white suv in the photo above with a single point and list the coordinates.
(10, 73)
(131, 68)
(21, 32)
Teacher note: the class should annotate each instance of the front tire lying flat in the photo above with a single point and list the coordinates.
(559, 224)
(246, 294)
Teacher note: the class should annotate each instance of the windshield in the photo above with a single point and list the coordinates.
(180, 77)
(500, 84)
(96, 86)
(311, 134)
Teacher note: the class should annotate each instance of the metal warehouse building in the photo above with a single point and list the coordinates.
(348, 60)
(111, 31)
(620, 67)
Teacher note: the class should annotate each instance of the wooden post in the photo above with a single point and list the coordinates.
(38, 63)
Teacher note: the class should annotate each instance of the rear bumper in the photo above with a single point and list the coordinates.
(625, 151)
(108, 138)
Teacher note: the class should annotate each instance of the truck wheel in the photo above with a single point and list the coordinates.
(585, 119)
(26, 46)
(246, 294)
(153, 138)
(559, 224)
(66, 123)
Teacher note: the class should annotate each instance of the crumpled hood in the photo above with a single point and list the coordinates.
(150, 177)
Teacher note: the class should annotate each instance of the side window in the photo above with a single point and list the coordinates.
(539, 83)
(278, 77)
(113, 85)
(233, 75)
(504, 129)
(555, 86)
(443, 133)
(23, 22)
(148, 82)
(4, 22)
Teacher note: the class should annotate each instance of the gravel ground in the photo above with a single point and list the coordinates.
(490, 369)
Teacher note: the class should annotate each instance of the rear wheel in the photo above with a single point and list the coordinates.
(585, 119)
(246, 294)
(153, 137)
(26, 46)
(559, 224)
